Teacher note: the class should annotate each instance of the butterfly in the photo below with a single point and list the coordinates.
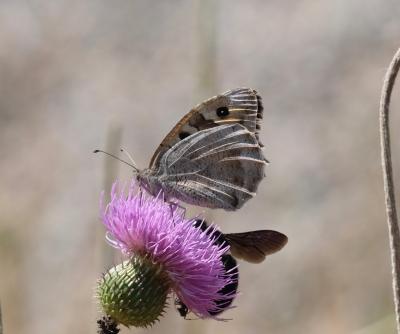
(212, 157)
(252, 246)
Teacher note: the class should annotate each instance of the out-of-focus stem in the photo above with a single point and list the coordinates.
(394, 234)
(1, 322)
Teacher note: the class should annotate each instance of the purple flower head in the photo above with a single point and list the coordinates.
(139, 224)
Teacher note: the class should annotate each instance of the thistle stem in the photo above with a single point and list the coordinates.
(1, 322)
(394, 234)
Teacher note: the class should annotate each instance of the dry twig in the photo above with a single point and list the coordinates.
(394, 234)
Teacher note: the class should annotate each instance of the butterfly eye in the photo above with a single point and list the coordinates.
(222, 111)
(183, 135)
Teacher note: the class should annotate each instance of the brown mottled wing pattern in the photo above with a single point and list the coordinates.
(219, 167)
(240, 105)
(254, 246)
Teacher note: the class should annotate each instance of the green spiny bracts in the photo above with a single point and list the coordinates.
(134, 293)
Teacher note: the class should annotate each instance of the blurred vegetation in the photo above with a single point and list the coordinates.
(71, 69)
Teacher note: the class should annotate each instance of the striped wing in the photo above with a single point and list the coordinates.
(240, 105)
(217, 168)
(254, 246)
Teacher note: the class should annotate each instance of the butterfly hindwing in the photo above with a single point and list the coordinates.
(254, 246)
(241, 105)
(219, 167)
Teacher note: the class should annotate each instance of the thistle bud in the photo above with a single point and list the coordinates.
(134, 293)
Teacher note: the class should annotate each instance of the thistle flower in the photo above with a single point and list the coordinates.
(231, 269)
(166, 254)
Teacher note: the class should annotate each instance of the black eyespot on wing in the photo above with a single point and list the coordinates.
(222, 111)
(183, 135)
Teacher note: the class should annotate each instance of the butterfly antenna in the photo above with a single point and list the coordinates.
(129, 157)
(119, 159)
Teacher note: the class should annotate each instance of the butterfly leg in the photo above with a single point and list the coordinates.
(174, 206)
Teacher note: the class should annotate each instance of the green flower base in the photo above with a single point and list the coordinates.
(134, 293)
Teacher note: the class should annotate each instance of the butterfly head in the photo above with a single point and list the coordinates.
(148, 181)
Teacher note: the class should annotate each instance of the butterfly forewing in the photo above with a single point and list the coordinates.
(254, 246)
(241, 105)
(219, 167)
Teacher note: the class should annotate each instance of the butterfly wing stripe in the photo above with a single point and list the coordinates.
(224, 148)
(239, 139)
(238, 130)
(245, 158)
(182, 188)
(252, 105)
(182, 148)
(245, 108)
(166, 177)
(240, 93)
(237, 133)
(241, 109)
(242, 99)
(228, 185)
(251, 116)
(233, 120)
(195, 185)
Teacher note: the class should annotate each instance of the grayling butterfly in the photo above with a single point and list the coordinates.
(212, 157)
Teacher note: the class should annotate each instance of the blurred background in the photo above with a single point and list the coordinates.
(81, 75)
